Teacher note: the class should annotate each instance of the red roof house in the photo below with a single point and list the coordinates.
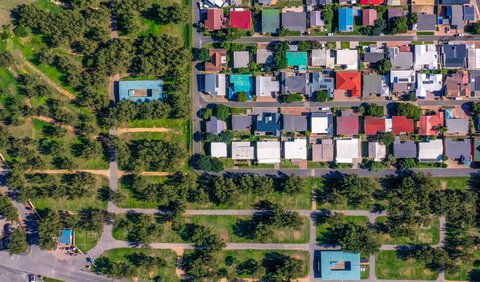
(372, 2)
(241, 19)
(374, 125)
(429, 125)
(215, 20)
(347, 125)
(369, 16)
(402, 125)
(350, 81)
(218, 60)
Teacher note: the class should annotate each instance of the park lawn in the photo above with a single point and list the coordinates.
(390, 267)
(225, 226)
(77, 204)
(129, 201)
(7, 81)
(173, 124)
(462, 270)
(167, 235)
(323, 229)
(425, 234)
(166, 273)
(454, 183)
(86, 240)
(258, 255)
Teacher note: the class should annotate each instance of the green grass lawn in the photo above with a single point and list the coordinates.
(425, 234)
(390, 267)
(365, 274)
(130, 201)
(323, 229)
(48, 279)
(86, 240)
(258, 255)
(462, 270)
(454, 183)
(166, 273)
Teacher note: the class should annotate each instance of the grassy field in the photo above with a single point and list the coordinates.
(425, 234)
(6, 6)
(323, 229)
(258, 255)
(390, 267)
(462, 270)
(454, 183)
(166, 273)
(86, 240)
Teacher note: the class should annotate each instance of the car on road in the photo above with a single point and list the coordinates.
(31, 278)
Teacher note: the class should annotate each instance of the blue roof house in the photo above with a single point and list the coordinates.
(240, 83)
(339, 265)
(66, 238)
(345, 19)
(140, 90)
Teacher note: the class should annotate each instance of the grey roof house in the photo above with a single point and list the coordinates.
(294, 123)
(460, 150)
(404, 150)
(375, 86)
(455, 13)
(454, 55)
(320, 82)
(264, 56)
(265, 2)
(215, 126)
(426, 22)
(400, 60)
(268, 124)
(241, 59)
(316, 19)
(294, 83)
(457, 126)
(468, 13)
(294, 21)
(475, 83)
(373, 57)
(242, 122)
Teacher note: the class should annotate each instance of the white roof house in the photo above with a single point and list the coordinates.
(242, 151)
(402, 76)
(215, 84)
(268, 152)
(322, 58)
(295, 149)
(376, 151)
(348, 151)
(430, 151)
(218, 149)
(428, 83)
(347, 58)
(426, 57)
(266, 86)
(241, 59)
(321, 123)
(473, 58)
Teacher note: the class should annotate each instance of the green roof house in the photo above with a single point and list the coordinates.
(270, 21)
(297, 59)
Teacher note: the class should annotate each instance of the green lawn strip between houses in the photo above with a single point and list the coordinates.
(166, 273)
(425, 234)
(390, 267)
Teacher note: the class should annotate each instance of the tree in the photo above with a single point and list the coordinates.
(328, 14)
(203, 55)
(321, 96)
(294, 185)
(280, 57)
(225, 190)
(222, 112)
(408, 110)
(387, 138)
(295, 97)
(17, 241)
(356, 238)
(6, 59)
(476, 27)
(170, 14)
(7, 209)
(207, 113)
(281, 268)
(384, 66)
(374, 110)
(48, 230)
(206, 163)
(399, 25)
(242, 97)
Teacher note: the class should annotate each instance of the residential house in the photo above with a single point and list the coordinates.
(473, 58)
(268, 152)
(268, 124)
(270, 21)
(267, 86)
(426, 22)
(240, 83)
(323, 58)
(316, 19)
(454, 2)
(455, 15)
(242, 122)
(321, 122)
(294, 21)
(216, 3)
(337, 265)
(218, 60)
(395, 12)
(404, 149)
(241, 19)
(459, 150)
(476, 150)
(296, 123)
(431, 151)
(347, 58)
(430, 125)
(429, 84)
(426, 57)
(215, 19)
(402, 125)
(297, 60)
(215, 126)
(295, 149)
(215, 84)
(321, 82)
(454, 56)
(140, 90)
(457, 85)
(218, 149)
(457, 126)
(375, 85)
(350, 82)
(242, 151)
(324, 2)
(373, 55)
(348, 151)
(323, 151)
(475, 83)
(376, 151)
(468, 13)
(264, 56)
(345, 19)
(372, 2)
(402, 81)
(368, 17)
(241, 59)
(374, 125)
(347, 125)
(401, 57)
(291, 83)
